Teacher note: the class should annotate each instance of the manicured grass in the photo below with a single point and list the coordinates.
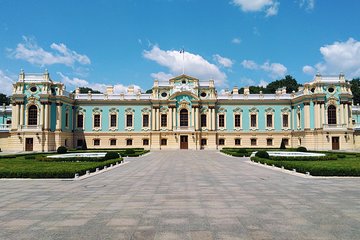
(135, 152)
(25, 167)
(341, 166)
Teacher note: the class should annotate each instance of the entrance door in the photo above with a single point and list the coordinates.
(183, 142)
(29, 142)
(335, 143)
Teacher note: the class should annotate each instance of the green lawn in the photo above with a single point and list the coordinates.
(20, 167)
(342, 166)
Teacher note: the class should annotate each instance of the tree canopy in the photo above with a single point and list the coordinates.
(289, 82)
(87, 89)
(355, 88)
(4, 99)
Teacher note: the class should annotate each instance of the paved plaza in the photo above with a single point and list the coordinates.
(182, 195)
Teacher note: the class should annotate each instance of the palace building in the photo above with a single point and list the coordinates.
(181, 113)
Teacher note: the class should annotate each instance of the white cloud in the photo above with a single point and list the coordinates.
(236, 40)
(274, 70)
(76, 82)
(195, 65)
(308, 70)
(223, 61)
(6, 83)
(34, 54)
(161, 76)
(269, 6)
(309, 5)
(249, 64)
(273, 10)
(263, 83)
(340, 57)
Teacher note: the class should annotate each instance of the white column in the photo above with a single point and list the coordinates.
(346, 114)
(192, 117)
(14, 121)
(322, 115)
(307, 116)
(46, 116)
(170, 121)
(196, 118)
(208, 120)
(153, 113)
(17, 114)
(58, 117)
(42, 115)
(157, 119)
(174, 118)
(342, 118)
(213, 119)
(317, 116)
(294, 127)
(21, 114)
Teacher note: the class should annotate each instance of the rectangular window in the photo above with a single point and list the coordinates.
(253, 142)
(269, 122)
(237, 120)
(113, 142)
(163, 120)
(113, 120)
(145, 142)
(203, 120)
(221, 141)
(221, 120)
(129, 120)
(97, 120)
(129, 142)
(80, 121)
(286, 141)
(145, 120)
(269, 142)
(67, 119)
(96, 142)
(203, 142)
(237, 141)
(298, 120)
(253, 121)
(285, 119)
(164, 142)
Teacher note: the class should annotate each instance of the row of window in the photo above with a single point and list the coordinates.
(163, 142)
(183, 120)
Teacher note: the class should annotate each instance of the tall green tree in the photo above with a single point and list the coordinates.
(4, 99)
(289, 82)
(355, 88)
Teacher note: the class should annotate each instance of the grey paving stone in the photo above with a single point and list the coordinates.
(182, 195)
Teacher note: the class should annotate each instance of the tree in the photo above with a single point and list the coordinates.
(87, 89)
(4, 99)
(289, 82)
(149, 91)
(355, 89)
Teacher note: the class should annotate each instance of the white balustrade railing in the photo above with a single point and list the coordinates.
(5, 127)
(334, 126)
(30, 127)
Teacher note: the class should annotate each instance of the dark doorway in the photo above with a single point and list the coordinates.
(335, 143)
(183, 142)
(29, 144)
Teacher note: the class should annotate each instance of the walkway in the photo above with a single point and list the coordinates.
(182, 195)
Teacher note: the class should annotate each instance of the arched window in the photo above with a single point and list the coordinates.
(331, 114)
(32, 115)
(184, 122)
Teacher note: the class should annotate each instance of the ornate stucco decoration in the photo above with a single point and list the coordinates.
(253, 110)
(184, 104)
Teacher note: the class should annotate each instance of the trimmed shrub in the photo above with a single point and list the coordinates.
(341, 156)
(29, 157)
(129, 151)
(111, 155)
(262, 154)
(301, 149)
(61, 150)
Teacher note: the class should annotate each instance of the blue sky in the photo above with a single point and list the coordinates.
(131, 42)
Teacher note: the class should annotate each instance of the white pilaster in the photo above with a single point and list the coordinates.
(153, 113)
(21, 114)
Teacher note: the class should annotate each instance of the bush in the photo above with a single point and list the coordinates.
(111, 155)
(262, 154)
(129, 151)
(301, 149)
(29, 157)
(61, 150)
(341, 156)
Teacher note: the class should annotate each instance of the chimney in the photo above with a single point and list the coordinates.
(110, 90)
(246, 91)
(235, 90)
(130, 90)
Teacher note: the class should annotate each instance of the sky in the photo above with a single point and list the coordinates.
(132, 42)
